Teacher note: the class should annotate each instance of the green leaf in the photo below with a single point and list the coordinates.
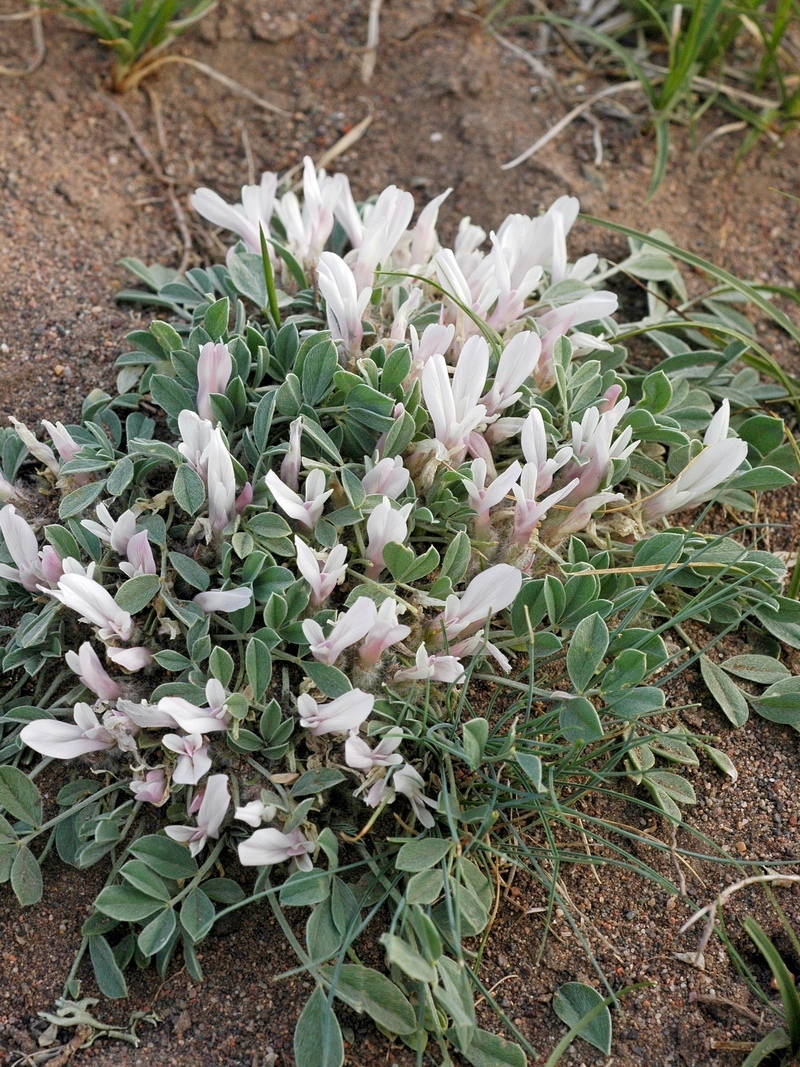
(192, 573)
(216, 318)
(136, 593)
(755, 668)
(26, 877)
(19, 796)
(410, 962)
(425, 887)
(573, 1002)
(316, 781)
(170, 395)
(121, 477)
(760, 480)
(157, 933)
(145, 879)
(638, 702)
(586, 650)
(532, 768)
(490, 1050)
(197, 914)
(80, 500)
(775, 1041)
(783, 979)
(476, 733)
(578, 721)
(188, 489)
(305, 887)
(126, 904)
(330, 681)
(165, 856)
(367, 990)
(317, 1036)
(223, 890)
(258, 664)
(110, 979)
(725, 691)
(456, 558)
(423, 854)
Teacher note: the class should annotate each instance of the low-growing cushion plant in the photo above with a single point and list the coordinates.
(361, 579)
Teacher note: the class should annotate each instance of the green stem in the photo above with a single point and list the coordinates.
(269, 280)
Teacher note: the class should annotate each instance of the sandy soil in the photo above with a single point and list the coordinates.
(450, 105)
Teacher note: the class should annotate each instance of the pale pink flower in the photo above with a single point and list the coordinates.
(52, 565)
(221, 483)
(435, 340)
(270, 846)
(483, 498)
(387, 478)
(196, 437)
(153, 790)
(210, 815)
(359, 756)
(94, 605)
(86, 664)
(37, 449)
(214, 368)
(290, 465)
(340, 716)
(350, 628)
(8, 492)
(345, 303)
(145, 715)
(322, 572)
(409, 783)
(66, 445)
(130, 659)
(21, 542)
(385, 632)
(489, 592)
(534, 448)
(193, 758)
(195, 720)
(385, 525)
(403, 314)
(245, 219)
(454, 408)
(516, 365)
(593, 451)
(308, 511)
(65, 740)
(528, 513)
(579, 517)
(114, 532)
(140, 556)
(224, 599)
(434, 668)
(255, 812)
(384, 225)
(424, 240)
(308, 228)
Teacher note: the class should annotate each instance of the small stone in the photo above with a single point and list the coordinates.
(58, 370)
(275, 28)
(793, 820)
(741, 847)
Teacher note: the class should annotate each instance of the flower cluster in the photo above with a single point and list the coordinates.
(360, 505)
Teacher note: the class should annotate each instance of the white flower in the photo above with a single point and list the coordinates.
(344, 302)
(214, 368)
(221, 482)
(39, 451)
(454, 409)
(213, 809)
(193, 758)
(516, 365)
(308, 511)
(94, 605)
(196, 434)
(491, 591)
(534, 448)
(140, 556)
(350, 628)
(114, 532)
(86, 664)
(255, 812)
(700, 479)
(385, 525)
(483, 498)
(153, 790)
(64, 740)
(580, 516)
(436, 668)
(194, 720)
(385, 632)
(342, 715)
(130, 659)
(20, 540)
(66, 445)
(8, 492)
(270, 846)
(290, 464)
(224, 599)
(528, 513)
(245, 219)
(387, 478)
(323, 573)
(359, 756)
(385, 224)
